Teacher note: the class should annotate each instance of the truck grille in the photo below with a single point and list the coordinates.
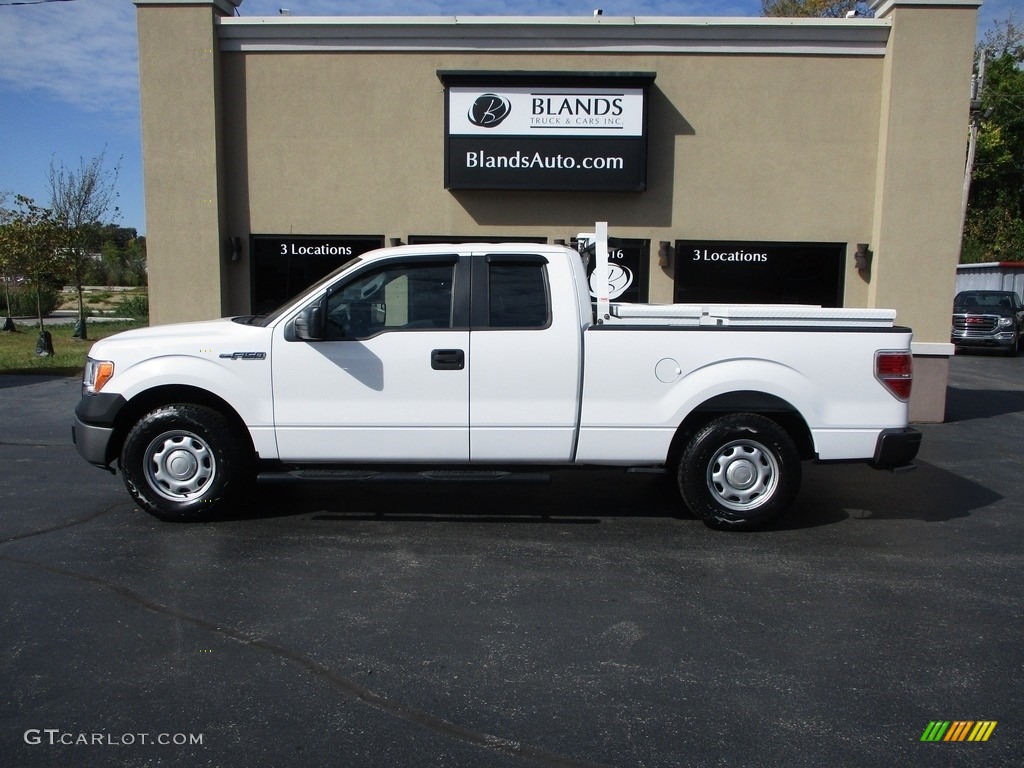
(975, 325)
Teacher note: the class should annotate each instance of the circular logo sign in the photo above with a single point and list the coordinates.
(489, 110)
(619, 280)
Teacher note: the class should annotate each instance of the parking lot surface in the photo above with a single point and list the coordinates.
(587, 621)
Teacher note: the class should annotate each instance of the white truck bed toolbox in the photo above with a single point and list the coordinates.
(750, 315)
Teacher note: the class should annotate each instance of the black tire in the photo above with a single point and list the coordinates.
(740, 472)
(183, 462)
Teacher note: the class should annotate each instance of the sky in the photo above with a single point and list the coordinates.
(69, 76)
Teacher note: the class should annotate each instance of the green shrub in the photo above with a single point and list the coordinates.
(136, 305)
(23, 301)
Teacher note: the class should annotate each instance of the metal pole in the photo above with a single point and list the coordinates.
(601, 270)
(977, 88)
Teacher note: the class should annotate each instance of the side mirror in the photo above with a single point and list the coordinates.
(309, 323)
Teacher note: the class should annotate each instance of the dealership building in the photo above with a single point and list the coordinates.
(814, 161)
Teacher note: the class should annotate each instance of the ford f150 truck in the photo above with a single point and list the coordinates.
(442, 361)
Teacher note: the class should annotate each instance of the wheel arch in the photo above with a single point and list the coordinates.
(763, 404)
(149, 399)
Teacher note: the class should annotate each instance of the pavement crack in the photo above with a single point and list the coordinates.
(36, 444)
(61, 526)
(382, 703)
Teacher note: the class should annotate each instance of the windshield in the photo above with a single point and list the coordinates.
(984, 300)
(269, 317)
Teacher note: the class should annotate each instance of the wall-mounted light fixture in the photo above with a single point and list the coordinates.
(862, 258)
(664, 253)
(234, 248)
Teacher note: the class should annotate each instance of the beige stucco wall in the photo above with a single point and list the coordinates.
(179, 72)
(855, 146)
(921, 166)
(318, 143)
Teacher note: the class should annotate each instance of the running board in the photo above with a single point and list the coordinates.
(397, 476)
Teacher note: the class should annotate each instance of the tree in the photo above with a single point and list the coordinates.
(124, 256)
(994, 227)
(80, 201)
(35, 247)
(134, 260)
(829, 9)
(6, 262)
(1004, 36)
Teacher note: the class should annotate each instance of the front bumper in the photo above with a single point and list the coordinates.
(1004, 339)
(92, 442)
(895, 449)
(93, 429)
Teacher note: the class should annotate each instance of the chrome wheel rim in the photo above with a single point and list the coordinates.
(179, 465)
(743, 475)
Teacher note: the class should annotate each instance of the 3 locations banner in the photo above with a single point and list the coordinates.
(285, 265)
(574, 131)
(723, 271)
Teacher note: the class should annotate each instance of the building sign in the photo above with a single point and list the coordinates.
(628, 270)
(285, 265)
(725, 271)
(546, 131)
(579, 112)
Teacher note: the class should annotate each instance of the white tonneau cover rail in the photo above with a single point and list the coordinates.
(750, 315)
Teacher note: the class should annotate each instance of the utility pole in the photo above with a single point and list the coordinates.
(977, 89)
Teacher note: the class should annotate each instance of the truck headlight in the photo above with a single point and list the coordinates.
(96, 374)
(1005, 322)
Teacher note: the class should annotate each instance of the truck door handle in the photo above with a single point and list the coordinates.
(448, 359)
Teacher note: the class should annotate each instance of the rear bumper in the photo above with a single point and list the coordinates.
(896, 448)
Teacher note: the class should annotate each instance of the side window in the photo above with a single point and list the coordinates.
(518, 296)
(392, 298)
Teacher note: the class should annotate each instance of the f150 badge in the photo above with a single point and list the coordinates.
(244, 356)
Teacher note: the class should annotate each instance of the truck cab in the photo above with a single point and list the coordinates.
(483, 322)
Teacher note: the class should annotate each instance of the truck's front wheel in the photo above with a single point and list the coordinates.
(740, 472)
(182, 462)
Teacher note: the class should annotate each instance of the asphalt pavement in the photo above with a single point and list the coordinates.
(587, 621)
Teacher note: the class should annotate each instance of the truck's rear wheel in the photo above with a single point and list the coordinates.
(183, 462)
(740, 472)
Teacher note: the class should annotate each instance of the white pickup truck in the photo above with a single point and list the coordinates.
(480, 360)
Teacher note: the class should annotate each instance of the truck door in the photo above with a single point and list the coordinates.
(390, 379)
(525, 359)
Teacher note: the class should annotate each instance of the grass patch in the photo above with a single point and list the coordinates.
(18, 350)
(95, 297)
(104, 300)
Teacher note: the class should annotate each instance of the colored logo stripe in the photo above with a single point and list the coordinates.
(935, 731)
(982, 730)
(958, 730)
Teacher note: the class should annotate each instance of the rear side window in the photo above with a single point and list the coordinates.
(518, 296)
